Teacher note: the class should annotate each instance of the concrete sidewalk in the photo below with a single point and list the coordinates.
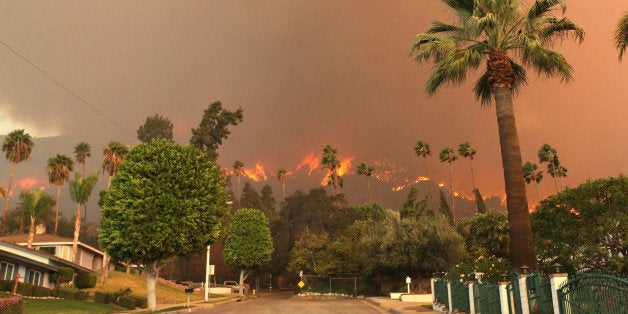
(397, 307)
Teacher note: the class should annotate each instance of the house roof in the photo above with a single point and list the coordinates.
(38, 257)
(47, 239)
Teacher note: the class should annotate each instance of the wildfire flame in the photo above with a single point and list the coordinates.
(311, 161)
(345, 167)
(408, 183)
(28, 183)
(255, 174)
(440, 185)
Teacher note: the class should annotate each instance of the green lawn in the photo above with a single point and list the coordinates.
(68, 306)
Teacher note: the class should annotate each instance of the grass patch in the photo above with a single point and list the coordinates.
(68, 306)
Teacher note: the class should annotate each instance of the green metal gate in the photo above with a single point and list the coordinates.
(486, 298)
(539, 294)
(594, 292)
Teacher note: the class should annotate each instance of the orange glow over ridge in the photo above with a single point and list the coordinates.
(311, 160)
(255, 174)
(28, 183)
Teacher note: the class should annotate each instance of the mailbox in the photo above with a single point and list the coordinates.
(189, 290)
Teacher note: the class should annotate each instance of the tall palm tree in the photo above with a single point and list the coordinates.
(281, 176)
(82, 150)
(58, 170)
(448, 155)
(332, 164)
(35, 205)
(530, 174)
(466, 151)
(423, 150)
(80, 190)
(367, 171)
(621, 35)
(17, 147)
(496, 31)
(238, 168)
(548, 154)
(114, 154)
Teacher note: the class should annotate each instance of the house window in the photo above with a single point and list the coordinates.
(34, 277)
(6, 270)
(48, 249)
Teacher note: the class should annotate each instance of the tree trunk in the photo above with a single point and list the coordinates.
(472, 174)
(521, 243)
(429, 185)
(57, 212)
(7, 197)
(105, 268)
(368, 188)
(451, 191)
(31, 233)
(241, 284)
(283, 187)
(109, 183)
(537, 192)
(152, 272)
(77, 230)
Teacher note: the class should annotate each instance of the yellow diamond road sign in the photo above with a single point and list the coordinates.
(301, 284)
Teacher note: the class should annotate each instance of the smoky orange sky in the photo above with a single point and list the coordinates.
(307, 74)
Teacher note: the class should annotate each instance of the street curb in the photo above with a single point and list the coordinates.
(200, 306)
(390, 310)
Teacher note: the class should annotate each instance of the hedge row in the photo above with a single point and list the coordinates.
(121, 297)
(83, 281)
(72, 293)
(12, 305)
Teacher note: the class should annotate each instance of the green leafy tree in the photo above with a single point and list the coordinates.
(448, 155)
(17, 147)
(423, 150)
(466, 151)
(494, 31)
(36, 205)
(267, 202)
(114, 154)
(413, 206)
(584, 227)
(312, 254)
(58, 170)
(155, 127)
(281, 177)
(250, 197)
(371, 211)
(82, 150)
(479, 201)
(532, 174)
(621, 35)
(249, 242)
(367, 171)
(80, 191)
(214, 127)
(332, 164)
(167, 200)
(486, 235)
(444, 208)
(238, 170)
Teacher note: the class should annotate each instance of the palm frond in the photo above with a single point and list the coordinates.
(464, 8)
(520, 76)
(440, 27)
(453, 68)
(621, 35)
(545, 61)
(431, 46)
(561, 28)
(482, 90)
(541, 7)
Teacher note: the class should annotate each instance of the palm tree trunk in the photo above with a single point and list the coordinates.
(109, 183)
(31, 233)
(429, 184)
(537, 192)
(57, 212)
(521, 243)
(472, 174)
(8, 196)
(77, 230)
(368, 188)
(283, 187)
(451, 191)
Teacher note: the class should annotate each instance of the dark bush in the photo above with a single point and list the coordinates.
(12, 305)
(102, 297)
(65, 274)
(72, 293)
(126, 302)
(25, 289)
(140, 301)
(6, 285)
(83, 281)
(119, 293)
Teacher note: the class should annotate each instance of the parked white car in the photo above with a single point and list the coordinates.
(233, 285)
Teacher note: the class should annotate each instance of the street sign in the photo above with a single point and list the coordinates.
(211, 270)
(301, 284)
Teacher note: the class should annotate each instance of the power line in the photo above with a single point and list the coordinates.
(83, 101)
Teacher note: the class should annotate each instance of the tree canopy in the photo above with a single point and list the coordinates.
(214, 128)
(155, 127)
(165, 200)
(584, 227)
